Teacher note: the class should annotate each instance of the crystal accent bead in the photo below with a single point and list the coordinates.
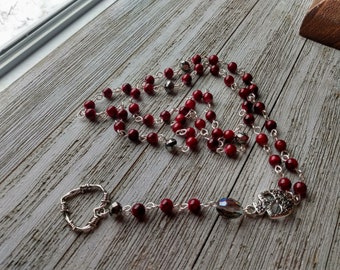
(171, 144)
(185, 66)
(242, 138)
(115, 208)
(229, 208)
(169, 86)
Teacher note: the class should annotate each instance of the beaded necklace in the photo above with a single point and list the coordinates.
(186, 124)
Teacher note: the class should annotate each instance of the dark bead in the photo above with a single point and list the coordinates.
(171, 145)
(91, 114)
(270, 125)
(291, 164)
(280, 145)
(196, 59)
(228, 135)
(112, 111)
(229, 80)
(244, 93)
(249, 119)
(230, 150)
(274, 160)
(134, 108)
(138, 210)
(200, 123)
(190, 104)
(135, 93)
(166, 206)
(183, 110)
(207, 97)
(122, 114)
(186, 79)
(232, 67)
(300, 188)
(247, 106)
(149, 88)
(194, 206)
(185, 66)
(149, 79)
(115, 208)
(89, 104)
(165, 116)
(229, 208)
(168, 73)
(261, 139)
(133, 135)
(169, 87)
(214, 70)
(107, 93)
(247, 78)
(213, 144)
(259, 107)
(199, 68)
(210, 115)
(148, 120)
(180, 118)
(191, 142)
(217, 133)
(126, 88)
(119, 126)
(284, 184)
(152, 138)
(213, 59)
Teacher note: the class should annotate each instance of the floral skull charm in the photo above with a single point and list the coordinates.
(276, 203)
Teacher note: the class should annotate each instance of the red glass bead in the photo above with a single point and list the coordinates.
(207, 97)
(122, 114)
(126, 88)
(210, 115)
(228, 80)
(217, 133)
(111, 111)
(194, 205)
(149, 79)
(186, 79)
(249, 119)
(197, 95)
(214, 70)
(230, 150)
(270, 125)
(149, 88)
(253, 89)
(300, 188)
(138, 210)
(191, 142)
(107, 93)
(176, 126)
(180, 118)
(247, 78)
(190, 104)
(261, 139)
(284, 184)
(196, 59)
(244, 93)
(247, 106)
(134, 108)
(291, 164)
(148, 120)
(152, 138)
(135, 93)
(199, 68)
(274, 160)
(190, 132)
(200, 123)
(133, 135)
(168, 73)
(213, 144)
(232, 67)
(259, 107)
(280, 145)
(183, 110)
(165, 116)
(166, 206)
(119, 125)
(89, 104)
(228, 135)
(91, 114)
(213, 59)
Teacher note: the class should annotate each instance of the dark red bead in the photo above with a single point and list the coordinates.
(230, 150)
(168, 73)
(196, 59)
(200, 123)
(122, 114)
(217, 133)
(134, 108)
(165, 116)
(107, 93)
(270, 125)
(91, 114)
(280, 145)
(213, 144)
(148, 120)
(247, 78)
(191, 142)
(152, 138)
(149, 88)
(274, 160)
(135, 93)
(166, 206)
(133, 135)
(249, 119)
(284, 184)
(180, 118)
(232, 67)
(229, 80)
(194, 205)
(190, 132)
(186, 79)
(210, 115)
(261, 139)
(197, 95)
(190, 104)
(208, 97)
(291, 164)
(89, 104)
(247, 106)
(112, 111)
(259, 107)
(176, 126)
(254, 89)
(183, 110)
(126, 88)
(149, 79)
(138, 210)
(244, 93)
(214, 70)
(119, 125)
(213, 59)
(199, 68)
(229, 135)
(300, 188)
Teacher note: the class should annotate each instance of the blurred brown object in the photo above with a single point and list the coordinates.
(322, 23)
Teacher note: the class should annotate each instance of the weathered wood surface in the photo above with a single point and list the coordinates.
(46, 151)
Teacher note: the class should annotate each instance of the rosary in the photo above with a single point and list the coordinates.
(187, 126)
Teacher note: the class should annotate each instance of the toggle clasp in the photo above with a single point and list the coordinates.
(99, 212)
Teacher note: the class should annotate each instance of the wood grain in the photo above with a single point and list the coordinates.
(47, 151)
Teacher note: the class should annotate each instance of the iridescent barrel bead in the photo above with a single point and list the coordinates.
(229, 208)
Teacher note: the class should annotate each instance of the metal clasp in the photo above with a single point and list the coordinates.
(99, 212)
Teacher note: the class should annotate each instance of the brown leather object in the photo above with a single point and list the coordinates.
(322, 23)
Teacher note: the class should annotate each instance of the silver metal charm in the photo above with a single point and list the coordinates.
(276, 203)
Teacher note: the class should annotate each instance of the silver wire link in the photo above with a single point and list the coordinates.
(151, 205)
(278, 170)
(215, 124)
(256, 129)
(284, 155)
(208, 204)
